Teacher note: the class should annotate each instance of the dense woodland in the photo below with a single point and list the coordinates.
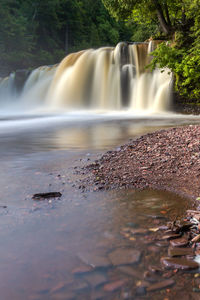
(36, 32)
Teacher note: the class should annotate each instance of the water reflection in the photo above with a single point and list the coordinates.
(91, 135)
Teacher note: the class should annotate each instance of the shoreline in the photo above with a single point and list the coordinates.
(164, 160)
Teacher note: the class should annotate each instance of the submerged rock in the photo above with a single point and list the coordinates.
(115, 285)
(160, 285)
(124, 256)
(179, 263)
(95, 260)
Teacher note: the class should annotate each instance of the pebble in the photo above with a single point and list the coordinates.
(179, 263)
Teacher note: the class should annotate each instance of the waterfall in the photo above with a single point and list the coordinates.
(106, 79)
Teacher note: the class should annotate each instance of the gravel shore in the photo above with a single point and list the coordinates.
(167, 159)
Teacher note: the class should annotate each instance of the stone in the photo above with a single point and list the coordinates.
(95, 260)
(160, 285)
(162, 244)
(115, 285)
(82, 270)
(179, 263)
(170, 236)
(181, 242)
(177, 251)
(129, 271)
(96, 279)
(124, 256)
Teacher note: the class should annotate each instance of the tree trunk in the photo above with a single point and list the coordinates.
(164, 26)
(167, 14)
(67, 38)
(163, 23)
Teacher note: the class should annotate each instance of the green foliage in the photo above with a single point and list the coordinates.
(35, 32)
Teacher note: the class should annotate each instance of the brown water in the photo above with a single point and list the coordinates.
(43, 242)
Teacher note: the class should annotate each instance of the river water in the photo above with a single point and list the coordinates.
(43, 243)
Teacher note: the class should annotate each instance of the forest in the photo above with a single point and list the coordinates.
(35, 33)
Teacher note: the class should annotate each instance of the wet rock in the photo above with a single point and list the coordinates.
(95, 260)
(155, 270)
(115, 285)
(160, 285)
(42, 196)
(179, 263)
(181, 242)
(124, 256)
(81, 270)
(129, 271)
(168, 274)
(177, 251)
(170, 236)
(96, 279)
(162, 244)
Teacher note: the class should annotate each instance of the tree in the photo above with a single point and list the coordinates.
(167, 13)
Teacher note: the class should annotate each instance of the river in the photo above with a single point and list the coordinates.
(44, 242)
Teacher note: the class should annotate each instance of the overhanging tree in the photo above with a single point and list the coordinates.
(169, 14)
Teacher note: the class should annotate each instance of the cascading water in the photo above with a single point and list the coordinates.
(106, 79)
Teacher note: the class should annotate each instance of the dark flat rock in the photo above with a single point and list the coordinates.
(177, 251)
(179, 263)
(42, 196)
(180, 242)
(160, 285)
(124, 256)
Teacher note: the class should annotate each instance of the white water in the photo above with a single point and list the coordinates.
(102, 80)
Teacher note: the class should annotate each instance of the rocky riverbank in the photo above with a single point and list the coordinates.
(167, 159)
